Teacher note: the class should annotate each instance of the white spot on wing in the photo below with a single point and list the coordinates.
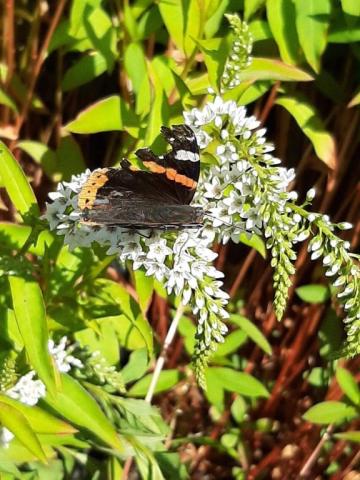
(186, 155)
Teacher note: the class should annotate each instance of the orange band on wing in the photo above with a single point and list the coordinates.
(186, 181)
(171, 173)
(89, 190)
(154, 167)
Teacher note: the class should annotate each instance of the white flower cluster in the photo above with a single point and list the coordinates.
(28, 390)
(183, 261)
(234, 192)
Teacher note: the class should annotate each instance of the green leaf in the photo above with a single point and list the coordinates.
(240, 382)
(270, 69)
(215, 51)
(252, 332)
(7, 101)
(238, 409)
(348, 385)
(341, 31)
(351, 7)
(39, 420)
(74, 403)
(172, 12)
(133, 326)
(135, 65)
(233, 341)
(313, 293)
(144, 288)
(159, 115)
(312, 126)
(351, 436)
(30, 315)
(195, 17)
(88, 67)
(255, 242)
(187, 329)
(41, 154)
(136, 366)
(251, 7)
(16, 183)
(260, 30)
(167, 379)
(281, 15)
(110, 113)
(215, 389)
(70, 160)
(330, 412)
(213, 22)
(16, 422)
(312, 24)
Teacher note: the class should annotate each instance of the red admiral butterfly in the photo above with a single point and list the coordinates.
(158, 197)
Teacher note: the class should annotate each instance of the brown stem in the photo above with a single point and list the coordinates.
(242, 272)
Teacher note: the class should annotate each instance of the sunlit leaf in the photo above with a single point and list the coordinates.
(312, 126)
(351, 436)
(167, 379)
(312, 23)
(41, 154)
(75, 404)
(330, 412)
(110, 113)
(16, 183)
(84, 70)
(313, 293)
(281, 15)
(251, 7)
(348, 385)
(15, 421)
(6, 100)
(270, 69)
(30, 315)
(252, 331)
(240, 382)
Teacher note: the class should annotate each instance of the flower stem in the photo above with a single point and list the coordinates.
(161, 360)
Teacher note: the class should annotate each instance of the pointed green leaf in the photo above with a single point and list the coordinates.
(312, 24)
(70, 160)
(172, 12)
(75, 404)
(270, 69)
(313, 293)
(136, 366)
(16, 183)
(240, 382)
(167, 379)
(144, 288)
(312, 126)
(41, 153)
(348, 385)
(351, 436)
(252, 332)
(39, 420)
(88, 67)
(281, 15)
(330, 412)
(159, 115)
(215, 390)
(30, 315)
(251, 7)
(110, 113)
(16, 422)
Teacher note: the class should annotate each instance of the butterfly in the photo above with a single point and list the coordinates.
(155, 198)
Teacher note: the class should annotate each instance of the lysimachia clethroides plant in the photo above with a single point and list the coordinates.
(243, 190)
